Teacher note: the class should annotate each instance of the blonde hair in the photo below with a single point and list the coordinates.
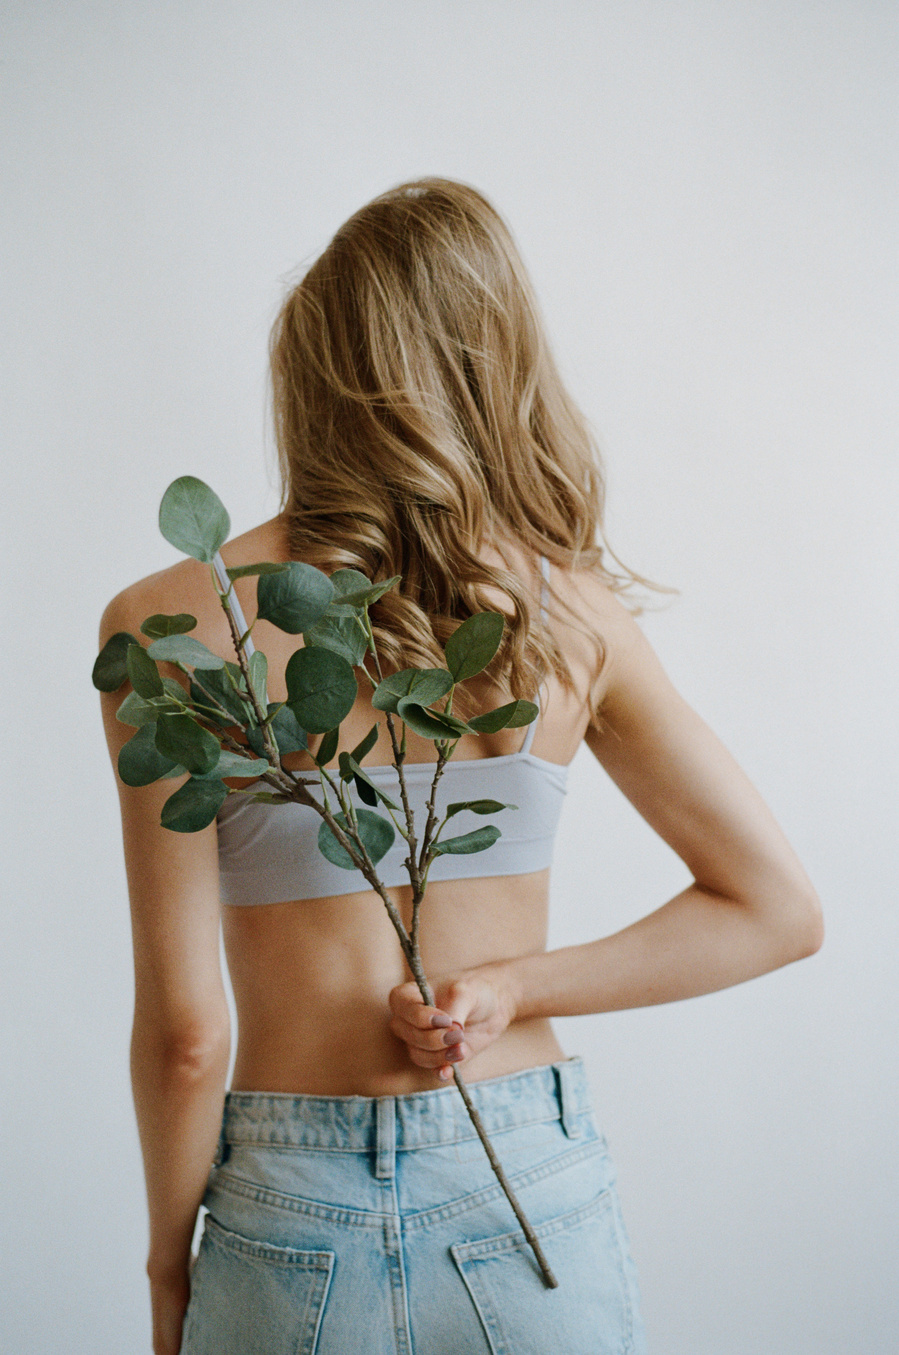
(419, 414)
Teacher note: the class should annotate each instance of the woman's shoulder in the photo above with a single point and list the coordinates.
(186, 586)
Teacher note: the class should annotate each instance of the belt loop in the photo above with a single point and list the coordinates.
(385, 1151)
(568, 1100)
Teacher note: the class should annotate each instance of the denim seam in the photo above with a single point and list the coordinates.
(506, 1126)
(492, 1192)
(235, 1185)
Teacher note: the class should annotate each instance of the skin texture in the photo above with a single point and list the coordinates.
(324, 1001)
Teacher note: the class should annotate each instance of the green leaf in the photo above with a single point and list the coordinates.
(135, 711)
(288, 735)
(232, 764)
(430, 724)
(367, 789)
(476, 841)
(193, 518)
(477, 807)
(362, 749)
(343, 634)
(219, 684)
(181, 739)
(327, 748)
(194, 806)
(160, 624)
(184, 649)
(295, 598)
(424, 684)
(244, 571)
(346, 582)
(140, 761)
(511, 716)
(110, 669)
(258, 669)
(321, 688)
(143, 672)
(376, 833)
(471, 647)
(266, 797)
(365, 596)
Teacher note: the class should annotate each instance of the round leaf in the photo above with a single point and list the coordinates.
(135, 711)
(143, 672)
(365, 596)
(140, 761)
(321, 688)
(181, 739)
(295, 598)
(476, 841)
(423, 684)
(218, 683)
(343, 634)
(193, 518)
(471, 647)
(258, 669)
(376, 833)
(287, 733)
(510, 716)
(110, 669)
(159, 624)
(194, 806)
(477, 807)
(232, 764)
(327, 748)
(430, 724)
(184, 649)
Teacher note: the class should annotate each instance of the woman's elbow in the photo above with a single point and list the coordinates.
(801, 925)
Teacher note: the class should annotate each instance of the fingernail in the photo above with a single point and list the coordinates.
(454, 1055)
(453, 1036)
(445, 1074)
(440, 1021)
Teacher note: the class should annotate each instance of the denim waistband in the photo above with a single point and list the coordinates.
(557, 1091)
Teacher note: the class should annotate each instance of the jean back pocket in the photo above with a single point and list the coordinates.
(251, 1298)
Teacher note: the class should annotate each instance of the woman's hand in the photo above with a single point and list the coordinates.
(169, 1295)
(471, 1009)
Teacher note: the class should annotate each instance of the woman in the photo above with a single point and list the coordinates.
(423, 431)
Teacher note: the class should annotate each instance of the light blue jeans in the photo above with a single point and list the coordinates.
(375, 1226)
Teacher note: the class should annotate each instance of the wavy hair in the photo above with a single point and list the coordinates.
(419, 413)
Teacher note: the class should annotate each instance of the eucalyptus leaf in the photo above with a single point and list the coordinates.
(193, 518)
(471, 647)
(344, 634)
(321, 688)
(477, 807)
(135, 711)
(140, 761)
(368, 790)
(295, 598)
(364, 597)
(327, 748)
(232, 764)
(346, 582)
(245, 571)
(143, 672)
(258, 669)
(287, 733)
(377, 834)
(265, 797)
(364, 748)
(478, 840)
(511, 716)
(181, 739)
(185, 649)
(110, 669)
(194, 806)
(430, 724)
(160, 624)
(424, 684)
(219, 685)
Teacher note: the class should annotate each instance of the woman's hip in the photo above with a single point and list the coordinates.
(377, 1224)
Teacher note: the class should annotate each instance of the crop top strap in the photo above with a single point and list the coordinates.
(544, 598)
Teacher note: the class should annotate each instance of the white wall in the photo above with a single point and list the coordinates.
(702, 191)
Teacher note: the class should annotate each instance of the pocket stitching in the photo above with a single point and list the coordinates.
(516, 1240)
(267, 1251)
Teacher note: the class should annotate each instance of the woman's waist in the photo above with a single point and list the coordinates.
(318, 1054)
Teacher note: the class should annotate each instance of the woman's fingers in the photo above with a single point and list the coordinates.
(427, 1040)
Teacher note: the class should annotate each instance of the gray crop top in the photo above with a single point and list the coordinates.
(269, 853)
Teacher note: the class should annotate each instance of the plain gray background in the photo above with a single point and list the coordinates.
(703, 194)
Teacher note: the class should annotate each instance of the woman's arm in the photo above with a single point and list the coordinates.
(750, 909)
(180, 1039)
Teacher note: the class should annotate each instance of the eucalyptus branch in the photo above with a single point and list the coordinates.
(271, 747)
